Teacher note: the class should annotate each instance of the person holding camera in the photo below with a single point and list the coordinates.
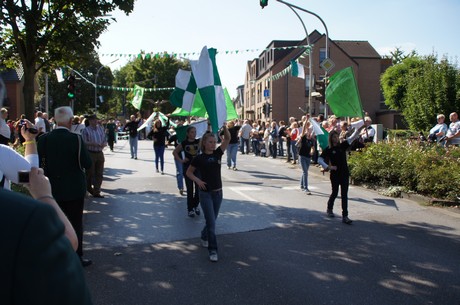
(39, 265)
(12, 162)
(64, 158)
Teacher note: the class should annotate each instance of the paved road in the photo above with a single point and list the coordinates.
(275, 244)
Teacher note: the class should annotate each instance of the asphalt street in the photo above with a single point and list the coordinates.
(276, 245)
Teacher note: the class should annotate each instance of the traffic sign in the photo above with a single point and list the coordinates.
(327, 64)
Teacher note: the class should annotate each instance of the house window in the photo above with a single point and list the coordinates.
(307, 84)
(322, 54)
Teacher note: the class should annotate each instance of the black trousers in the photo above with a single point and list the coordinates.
(193, 195)
(4, 140)
(341, 180)
(73, 209)
(288, 149)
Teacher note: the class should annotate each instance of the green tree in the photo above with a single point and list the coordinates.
(150, 72)
(84, 97)
(43, 34)
(421, 87)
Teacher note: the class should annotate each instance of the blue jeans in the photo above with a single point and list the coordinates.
(280, 147)
(232, 151)
(210, 204)
(244, 142)
(159, 156)
(255, 147)
(305, 164)
(133, 146)
(294, 151)
(273, 149)
(179, 174)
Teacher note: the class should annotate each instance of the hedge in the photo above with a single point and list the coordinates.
(429, 170)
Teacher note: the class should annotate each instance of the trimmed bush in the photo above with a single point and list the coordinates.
(429, 170)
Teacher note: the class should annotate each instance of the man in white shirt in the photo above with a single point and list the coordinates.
(245, 133)
(368, 133)
(453, 133)
(5, 131)
(40, 123)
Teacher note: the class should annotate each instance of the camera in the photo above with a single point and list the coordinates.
(32, 130)
(23, 176)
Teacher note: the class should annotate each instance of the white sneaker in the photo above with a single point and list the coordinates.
(213, 257)
(204, 243)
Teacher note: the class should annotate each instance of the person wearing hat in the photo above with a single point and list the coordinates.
(94, 137)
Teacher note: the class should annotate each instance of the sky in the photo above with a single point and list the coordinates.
(185, 26)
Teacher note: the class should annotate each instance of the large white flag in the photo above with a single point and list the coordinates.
(316, 127)
(184, 93)
(210, 87)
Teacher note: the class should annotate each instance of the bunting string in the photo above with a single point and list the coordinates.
(132, 89)
(165, 54)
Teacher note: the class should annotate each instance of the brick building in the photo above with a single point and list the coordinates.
(289, 96)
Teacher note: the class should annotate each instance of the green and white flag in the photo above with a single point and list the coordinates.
(138, 96)
(297, 69)
(184, 93)
(210, 87)
(201, 128)
(342, 94)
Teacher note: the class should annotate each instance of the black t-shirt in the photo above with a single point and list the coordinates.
(159, 136)
(282, 131)
(131, 126)
(305, 148)
(190, 149)
(209, 167)
(233, 134)
(337, 156)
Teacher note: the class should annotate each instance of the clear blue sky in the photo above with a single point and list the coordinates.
(180, 26)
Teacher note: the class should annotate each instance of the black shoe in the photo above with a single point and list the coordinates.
(346, 220)
(330, 214)
(98, 196)
(86, 262)
(197, 211)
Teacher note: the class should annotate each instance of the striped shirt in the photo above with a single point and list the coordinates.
(94, 135)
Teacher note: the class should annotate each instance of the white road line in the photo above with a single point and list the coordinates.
(241, 189)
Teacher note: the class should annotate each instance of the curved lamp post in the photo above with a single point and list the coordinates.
(292, 6)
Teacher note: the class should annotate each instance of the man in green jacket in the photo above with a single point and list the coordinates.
(64, 158)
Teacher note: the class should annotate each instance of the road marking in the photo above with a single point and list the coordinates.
(297, 187)
(241, 189)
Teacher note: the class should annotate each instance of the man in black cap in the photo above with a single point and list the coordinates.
(95, 140)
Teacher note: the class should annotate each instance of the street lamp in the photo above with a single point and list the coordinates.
(95, 84)
(310, 73)
(292, 6)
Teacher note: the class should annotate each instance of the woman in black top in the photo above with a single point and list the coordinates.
(334, 159)
(306, 143)
(208, 165)
(190, 149)
(159, 133)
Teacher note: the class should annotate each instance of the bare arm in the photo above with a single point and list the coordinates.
(226, 138)
(176, 153)
(190, 173)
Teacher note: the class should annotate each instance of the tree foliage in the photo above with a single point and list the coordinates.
(422, 87)
(44, 34)
(84, 97)
(156, 72)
